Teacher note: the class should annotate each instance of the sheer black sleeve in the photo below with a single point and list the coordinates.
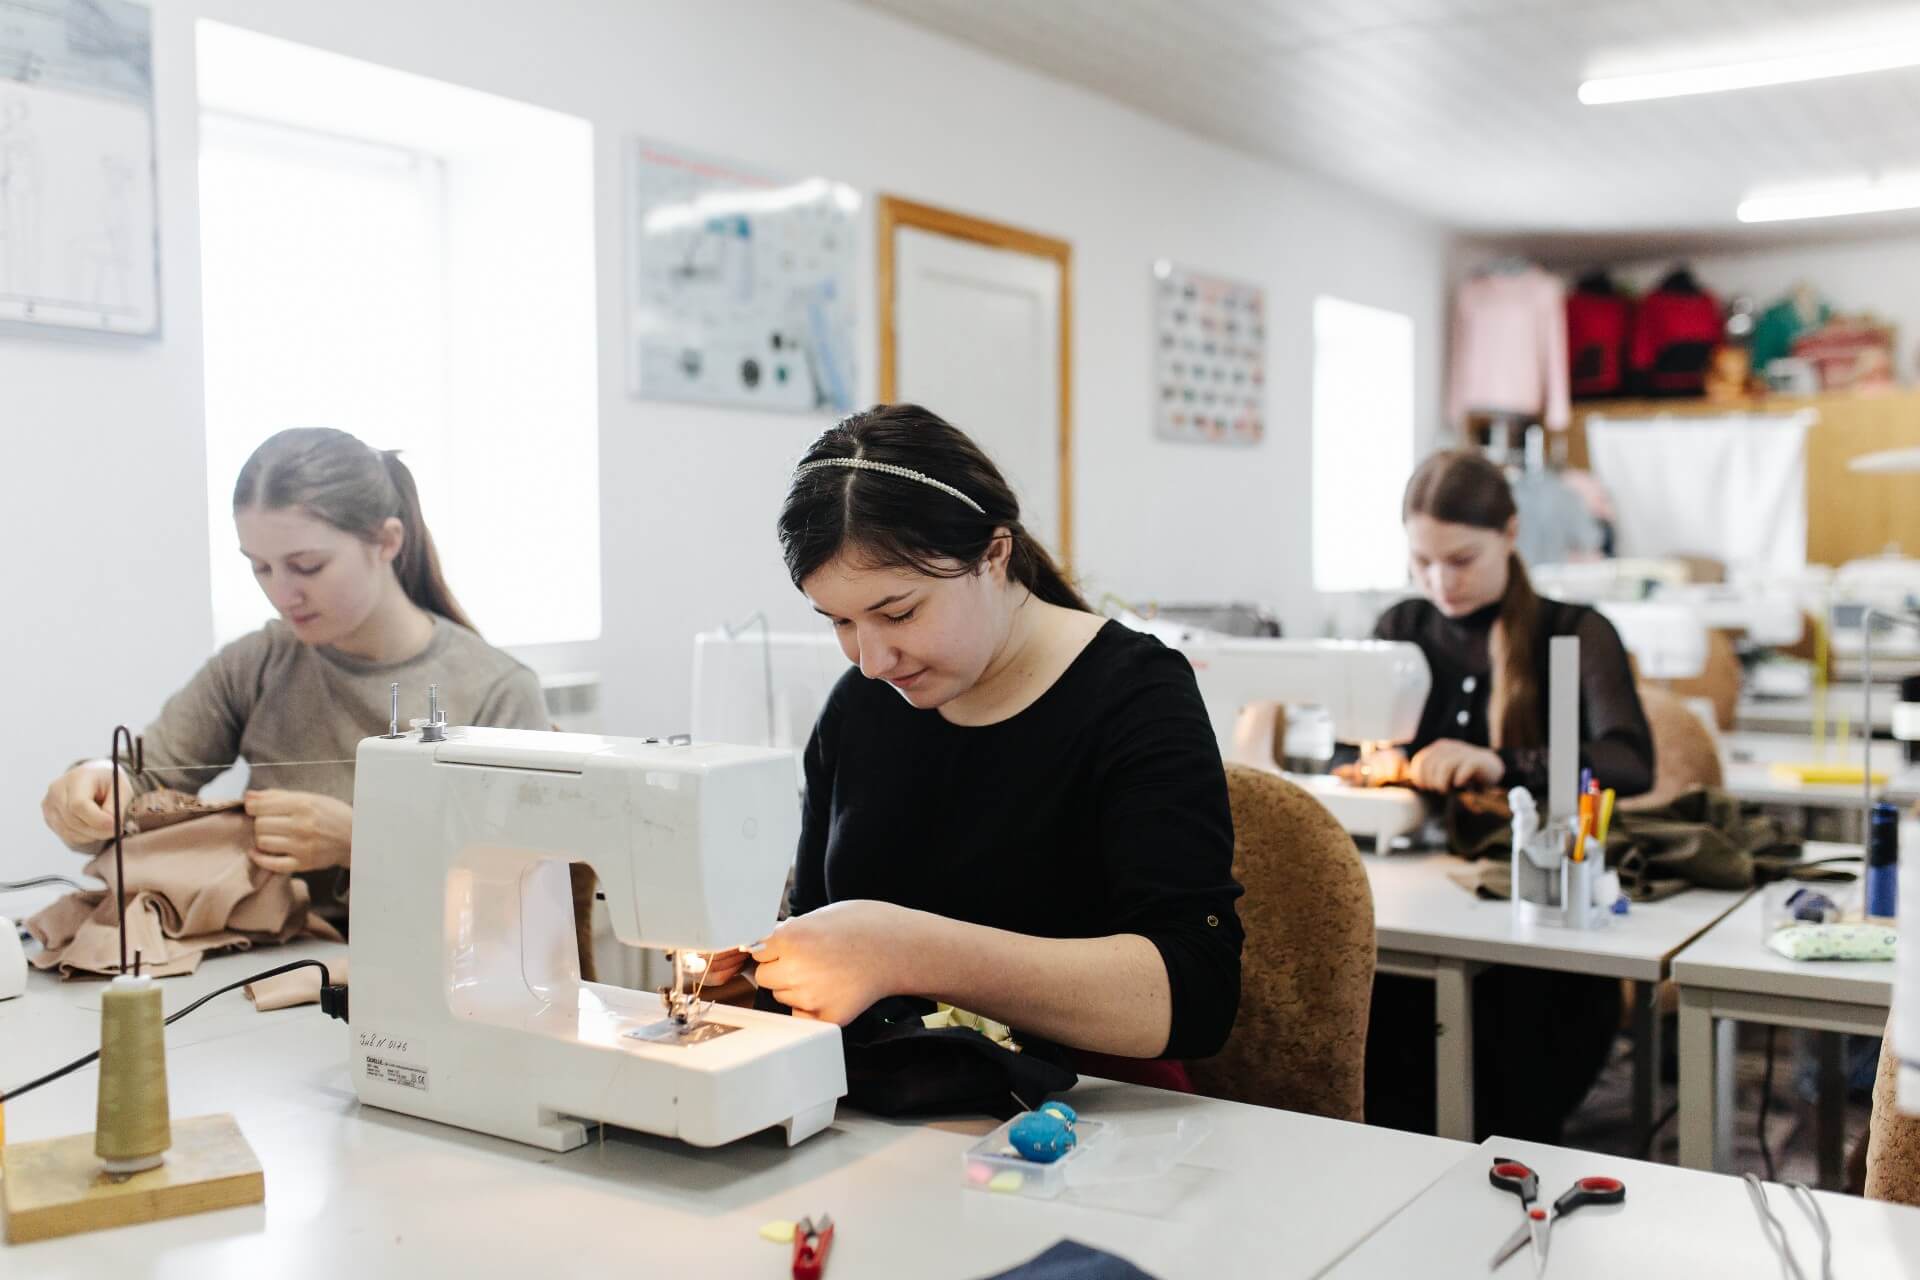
(1615, 741)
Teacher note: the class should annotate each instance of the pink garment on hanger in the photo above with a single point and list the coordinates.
(1510, 348)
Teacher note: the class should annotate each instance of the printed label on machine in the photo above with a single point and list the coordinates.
(397, 1073)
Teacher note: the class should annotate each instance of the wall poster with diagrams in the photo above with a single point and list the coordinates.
(78, 223)
(740, 284)
(1210, 358)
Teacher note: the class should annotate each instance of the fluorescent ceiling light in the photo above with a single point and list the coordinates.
(1885, 56)
(1833, 202)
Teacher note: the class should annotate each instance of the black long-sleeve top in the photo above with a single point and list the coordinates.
(1100, 809)
(1615, 741)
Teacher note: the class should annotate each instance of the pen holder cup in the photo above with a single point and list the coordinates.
(1549, 888)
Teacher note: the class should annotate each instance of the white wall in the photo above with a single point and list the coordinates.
(689, 495)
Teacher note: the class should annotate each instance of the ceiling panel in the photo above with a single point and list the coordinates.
(1465, 111)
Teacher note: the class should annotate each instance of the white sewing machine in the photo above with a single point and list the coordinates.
(467, 1005)
(1373, 690)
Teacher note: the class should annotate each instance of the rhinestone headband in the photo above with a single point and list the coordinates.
(863, 464)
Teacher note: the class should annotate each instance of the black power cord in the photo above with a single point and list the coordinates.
(35, 882)
(333, 1002)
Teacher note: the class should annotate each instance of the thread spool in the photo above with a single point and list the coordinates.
(132, 1127)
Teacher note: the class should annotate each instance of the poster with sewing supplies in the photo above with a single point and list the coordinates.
(741, 285)
(1210, 358)
(78, 222)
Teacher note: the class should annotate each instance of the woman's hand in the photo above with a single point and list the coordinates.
(299, 831)
(832, 964)
(1449, 765)
(78, 805)
(1376, 768)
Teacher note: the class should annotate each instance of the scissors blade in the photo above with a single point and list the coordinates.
(1513, 1245)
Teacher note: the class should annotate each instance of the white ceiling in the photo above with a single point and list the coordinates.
(1465, 110)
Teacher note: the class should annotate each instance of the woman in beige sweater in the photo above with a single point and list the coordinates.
(334, 533)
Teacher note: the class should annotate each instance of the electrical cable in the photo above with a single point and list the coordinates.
(35, 882)
(329, 1002)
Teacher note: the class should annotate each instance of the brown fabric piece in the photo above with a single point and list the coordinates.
(1684, 753)
(191, 889)
(1703, 838)
(296, 987)
(153, 810)
(1893, 1138)
(1300, 1039)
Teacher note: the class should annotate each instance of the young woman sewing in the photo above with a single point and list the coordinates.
(1541, 1038)
(334, 533)
(1012, 804)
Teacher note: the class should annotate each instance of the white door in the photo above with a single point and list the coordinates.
(977, 340)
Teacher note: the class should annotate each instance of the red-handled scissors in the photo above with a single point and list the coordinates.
(1582, 1193)
(810, 1245)
(1522, 1181)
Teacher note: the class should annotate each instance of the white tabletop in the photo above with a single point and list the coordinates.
(1675, 1222)
(1731, 956)
(356, 1191)
(1417, 908)
(1795, 715)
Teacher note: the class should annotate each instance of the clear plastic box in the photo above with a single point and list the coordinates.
(1103, 1154)
(1791, 902)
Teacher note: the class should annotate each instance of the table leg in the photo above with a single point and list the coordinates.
(1453, 1050)
(1697, 1091)
(1725, 1031)
(1832, 1108)
(1646, 1062)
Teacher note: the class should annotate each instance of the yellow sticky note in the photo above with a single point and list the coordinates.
(778, 1232)
(1008, 1181)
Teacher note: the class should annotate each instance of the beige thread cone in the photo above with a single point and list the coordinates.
(132, 1128)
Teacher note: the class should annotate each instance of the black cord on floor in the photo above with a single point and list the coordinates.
(1766, 1101)
(326, 981)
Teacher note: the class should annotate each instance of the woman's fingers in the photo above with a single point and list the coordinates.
(274, 862)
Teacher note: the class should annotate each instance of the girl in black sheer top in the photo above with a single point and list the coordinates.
(1540, 1038)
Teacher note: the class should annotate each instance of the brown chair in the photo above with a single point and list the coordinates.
(1719, 682)
(1893, 1139)
(1684, 753)
(1306, 974)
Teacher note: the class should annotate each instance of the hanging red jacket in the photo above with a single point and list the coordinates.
(1675, 330)
(1597, 342)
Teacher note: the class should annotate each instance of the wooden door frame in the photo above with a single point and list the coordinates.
(894, 213)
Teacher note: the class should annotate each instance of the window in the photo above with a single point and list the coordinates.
(1362, 444)
(412, 262)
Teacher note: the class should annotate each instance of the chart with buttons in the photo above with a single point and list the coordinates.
(1210, 360)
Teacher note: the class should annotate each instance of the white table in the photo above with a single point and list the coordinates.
(1795, 715)
(1746, 760)
(356, 1191)
(1427, 926)
(1730, 976)
(1674, 1222)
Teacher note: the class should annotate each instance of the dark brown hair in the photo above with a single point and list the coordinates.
(1460, 487)
(894, 521)
(356, 489)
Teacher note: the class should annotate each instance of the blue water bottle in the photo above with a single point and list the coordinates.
(1883, 861)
